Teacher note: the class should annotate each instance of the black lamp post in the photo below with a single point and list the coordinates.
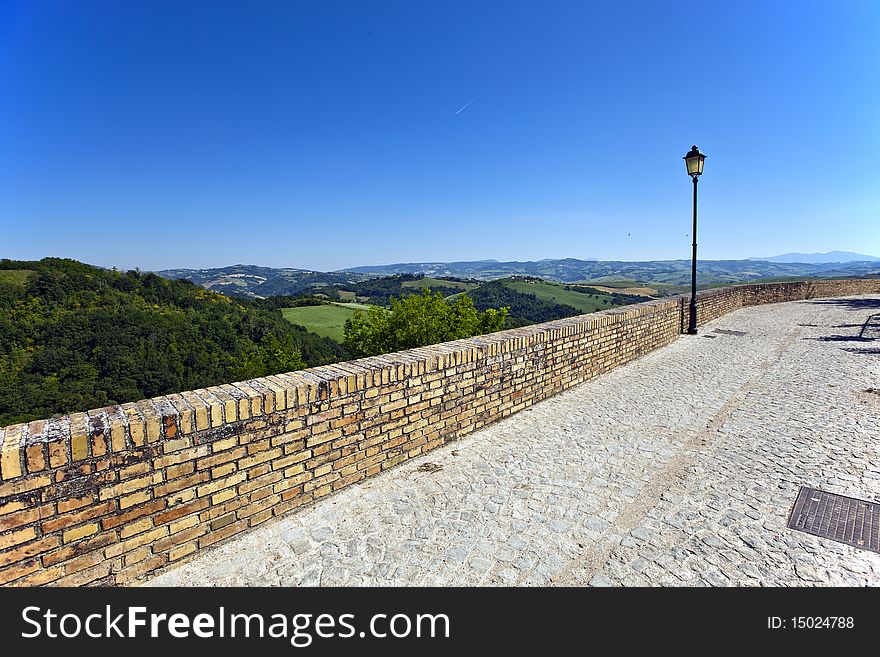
(694, 161)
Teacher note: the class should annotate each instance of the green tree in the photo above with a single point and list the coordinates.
(416, 321)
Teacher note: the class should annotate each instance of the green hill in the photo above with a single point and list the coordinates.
(76, 337)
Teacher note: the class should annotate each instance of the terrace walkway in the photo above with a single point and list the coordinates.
(680, 469)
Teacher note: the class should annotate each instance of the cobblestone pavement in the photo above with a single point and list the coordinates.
(678, 469)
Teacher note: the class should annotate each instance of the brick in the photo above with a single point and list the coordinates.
(178, 538)
(18, 570)
(178, 457)
(70, 551)
(57, 453)
(182, 550)
(136, 556)
(10, 453)
(181, 497)
(151, 419)
(130, 486)
(223, 470)
(184, 523)
(40, 577)
(226, 443)
(180, 484)
(218, 459)
(137, 427)
(138, 527)
(255, 398)
(135, 470)
(82, 562)
(80, 532)
(139, 570)
(25, 517)
(181, 470)
(260, 457)
(87, 576)
(36, 457)
(134, 499)
(16, 537)
(186, 413)
(69, 520)
(133, 514)
(214, 486)
(223, 496)
(225, 532)
(222, 521)
(28, 550)
(171, 446)
(180, 511)
(118, 549)
(117, 428)
(73, 503)
(169, 427)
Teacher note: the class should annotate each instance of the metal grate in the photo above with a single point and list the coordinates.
(840, 518)
(729, 332)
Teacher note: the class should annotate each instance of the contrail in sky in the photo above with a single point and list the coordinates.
(465, 106)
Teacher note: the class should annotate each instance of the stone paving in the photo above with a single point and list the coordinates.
(678, 469)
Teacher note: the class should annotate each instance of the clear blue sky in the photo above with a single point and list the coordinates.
(325, 134)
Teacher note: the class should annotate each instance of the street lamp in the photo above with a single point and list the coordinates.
(694, 161)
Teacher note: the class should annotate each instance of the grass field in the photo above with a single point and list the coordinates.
(16, 276)
(556, 293)
(327, 320)
(644, 291)
(438, 282)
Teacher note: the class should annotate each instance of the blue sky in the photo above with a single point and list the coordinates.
(327, 134)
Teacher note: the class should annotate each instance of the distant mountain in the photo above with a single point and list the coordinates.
(817, 258)
(674, 272)
(260, 282)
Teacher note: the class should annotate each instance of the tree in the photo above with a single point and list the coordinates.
(416, 321)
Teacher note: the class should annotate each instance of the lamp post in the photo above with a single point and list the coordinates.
(694, 161)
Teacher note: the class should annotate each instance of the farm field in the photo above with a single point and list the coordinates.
(557, 293)
(644, 291)
(325, 320)
(349, 296)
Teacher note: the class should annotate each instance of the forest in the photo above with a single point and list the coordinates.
(76, 337)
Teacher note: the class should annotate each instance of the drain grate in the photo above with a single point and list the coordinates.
(840, 518)
(729, 332)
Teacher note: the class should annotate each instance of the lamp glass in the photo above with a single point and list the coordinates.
(695, 164)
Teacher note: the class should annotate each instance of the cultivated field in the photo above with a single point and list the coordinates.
(327, 320)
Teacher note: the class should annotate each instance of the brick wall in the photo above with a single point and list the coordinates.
(107, 496)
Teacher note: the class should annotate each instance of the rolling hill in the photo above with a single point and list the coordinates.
(674, 272)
